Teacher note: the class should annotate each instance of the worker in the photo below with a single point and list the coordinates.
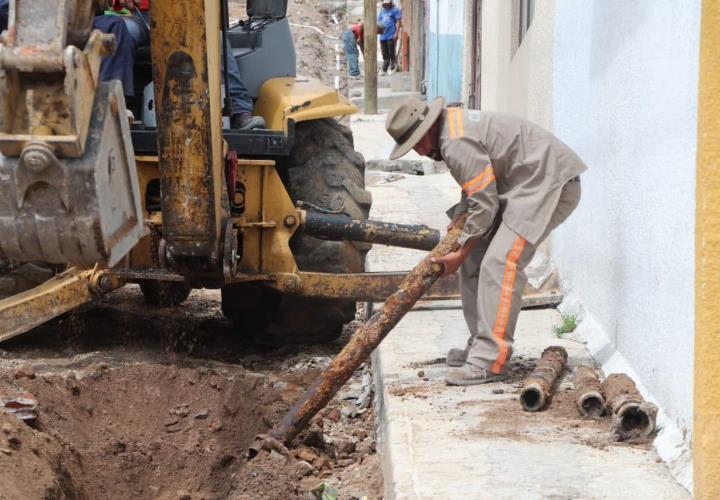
(136, 16)
(118, 65)
(352, 40)
(389, 21)
(518, 183)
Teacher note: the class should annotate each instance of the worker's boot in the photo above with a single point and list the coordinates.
(457, 357)
(246, 121)
(472, 375)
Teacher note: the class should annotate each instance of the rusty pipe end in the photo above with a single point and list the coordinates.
(254, 449)
(533, 397)
(634, 420)
(266, 442)
(591, 404)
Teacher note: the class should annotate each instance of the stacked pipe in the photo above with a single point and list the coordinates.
(631, 416)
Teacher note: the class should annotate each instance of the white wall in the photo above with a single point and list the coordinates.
(625, 98)
(518, 79)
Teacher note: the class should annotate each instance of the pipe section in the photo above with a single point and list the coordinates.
(632, 416)
(331, 226)
(537, 388)
(365, 339)
(588, 392)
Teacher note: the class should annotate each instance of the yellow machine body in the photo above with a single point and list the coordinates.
(299, 99)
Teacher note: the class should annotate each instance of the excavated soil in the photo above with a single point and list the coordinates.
(142, 402)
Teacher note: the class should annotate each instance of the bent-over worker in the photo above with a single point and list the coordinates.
(519, 182)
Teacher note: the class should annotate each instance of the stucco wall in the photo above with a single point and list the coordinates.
(625, 98)
(518, 79)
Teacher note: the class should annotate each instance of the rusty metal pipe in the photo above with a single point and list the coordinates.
(632, 416)
(588, 391)
(538, 387)
(365, 339)
(331, 226)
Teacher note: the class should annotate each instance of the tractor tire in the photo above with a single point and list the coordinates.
(165, 293)
(323, 170)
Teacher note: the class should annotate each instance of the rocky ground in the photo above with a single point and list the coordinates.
(141, 402)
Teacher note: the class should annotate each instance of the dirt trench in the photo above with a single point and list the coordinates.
(142, 402)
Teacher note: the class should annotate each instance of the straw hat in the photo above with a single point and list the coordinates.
(410, 121)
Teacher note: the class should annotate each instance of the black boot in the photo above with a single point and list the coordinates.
(246, 121)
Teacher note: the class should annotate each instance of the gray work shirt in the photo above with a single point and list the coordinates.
(507, 165)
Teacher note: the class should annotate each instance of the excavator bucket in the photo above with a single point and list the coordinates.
(83, 210)
(68, 185)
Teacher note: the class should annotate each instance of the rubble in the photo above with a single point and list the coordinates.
(22, 406)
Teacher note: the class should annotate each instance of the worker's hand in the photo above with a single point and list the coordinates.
(451, 262)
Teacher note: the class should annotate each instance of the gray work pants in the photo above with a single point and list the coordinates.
(492, 280)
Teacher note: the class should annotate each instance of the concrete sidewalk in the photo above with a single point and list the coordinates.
(441, 442)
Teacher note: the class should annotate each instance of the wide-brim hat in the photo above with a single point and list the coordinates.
(409, 121)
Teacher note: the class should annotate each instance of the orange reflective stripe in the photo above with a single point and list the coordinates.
(460, 127)
(503, 314)
(451, 122)
(481, 186)
(485, 178)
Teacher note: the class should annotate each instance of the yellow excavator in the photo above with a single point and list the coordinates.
(276, 218)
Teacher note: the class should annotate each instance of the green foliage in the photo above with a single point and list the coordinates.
(568, 324)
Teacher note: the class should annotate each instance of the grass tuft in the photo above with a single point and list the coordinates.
(568, 324)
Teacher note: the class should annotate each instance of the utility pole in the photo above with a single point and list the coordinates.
(370, 55)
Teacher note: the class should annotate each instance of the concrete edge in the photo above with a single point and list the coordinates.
(672, 444)
(381, 429)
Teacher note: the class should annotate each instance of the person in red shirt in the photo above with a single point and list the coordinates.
(352, 39)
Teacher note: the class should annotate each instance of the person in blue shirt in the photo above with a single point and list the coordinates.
(389, 20)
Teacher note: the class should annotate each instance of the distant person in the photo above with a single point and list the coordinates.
(389, 19)
(518, 183)
(352, 40)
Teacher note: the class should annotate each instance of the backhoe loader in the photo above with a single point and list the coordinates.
(275, 218)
